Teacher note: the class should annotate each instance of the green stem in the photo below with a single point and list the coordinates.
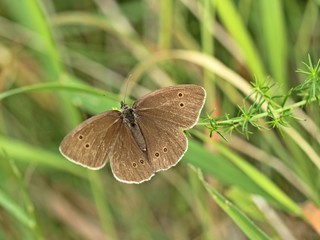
(236, 120)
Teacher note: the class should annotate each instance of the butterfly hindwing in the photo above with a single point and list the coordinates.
(128, 162)
(166, 144)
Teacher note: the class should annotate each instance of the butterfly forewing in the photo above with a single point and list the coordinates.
(177, 105)
(128, 163)
(91, 142)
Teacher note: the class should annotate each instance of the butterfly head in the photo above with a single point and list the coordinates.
(123, 105)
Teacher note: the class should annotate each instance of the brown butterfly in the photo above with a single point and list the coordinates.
(139, 140)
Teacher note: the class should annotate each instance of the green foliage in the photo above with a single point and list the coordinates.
(310, 88)
(268, 107)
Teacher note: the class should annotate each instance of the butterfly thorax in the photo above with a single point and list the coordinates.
(130, 119)
(128, 115)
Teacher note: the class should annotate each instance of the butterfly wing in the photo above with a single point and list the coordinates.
(161, 115)
(91, 142)
(103, 137)
(178, 105)
(128, 162)
(166, 144)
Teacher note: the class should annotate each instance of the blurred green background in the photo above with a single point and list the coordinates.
(83, 52)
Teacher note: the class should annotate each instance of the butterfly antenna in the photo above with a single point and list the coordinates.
(126, 89)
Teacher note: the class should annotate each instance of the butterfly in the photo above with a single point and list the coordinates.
(139, 140)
